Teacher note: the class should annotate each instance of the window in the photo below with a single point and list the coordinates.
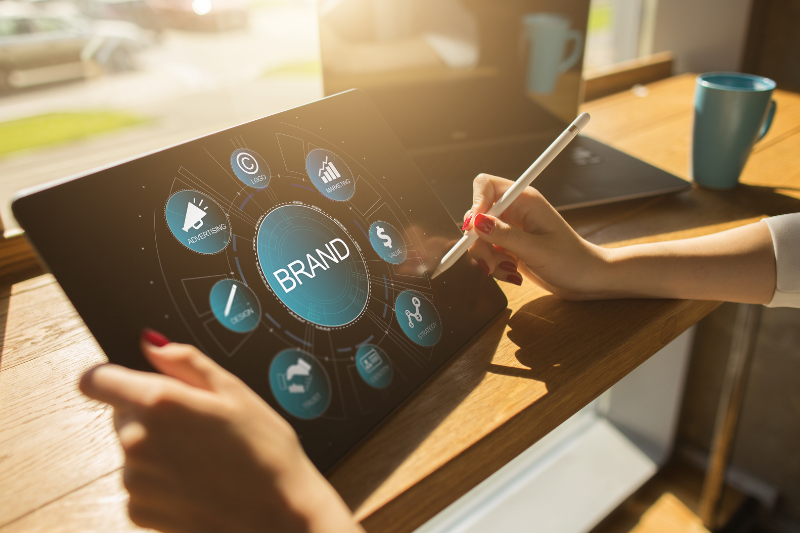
(619, 30)
(143, 75)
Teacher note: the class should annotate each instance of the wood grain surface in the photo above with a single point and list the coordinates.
(537, 364)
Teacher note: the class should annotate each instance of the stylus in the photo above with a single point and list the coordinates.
(515, 190)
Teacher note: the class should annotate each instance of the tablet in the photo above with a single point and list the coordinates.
(295, 250)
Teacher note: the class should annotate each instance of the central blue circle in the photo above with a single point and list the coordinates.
(312, 265)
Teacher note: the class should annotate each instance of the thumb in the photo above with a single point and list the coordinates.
(182, 362)
(495, 231)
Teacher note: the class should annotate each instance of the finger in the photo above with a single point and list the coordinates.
(120, 387)
(481, 252)
(132, 390)
(507, 268)
(532, 213)
(498, 233)
(185, 363)
(132, 435)
(149, 516)
(467, 220)
(147, 483)
(486, 190)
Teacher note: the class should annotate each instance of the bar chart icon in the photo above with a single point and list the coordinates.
(330, 175)
(328, 171)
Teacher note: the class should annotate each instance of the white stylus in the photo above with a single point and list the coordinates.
(515, 190)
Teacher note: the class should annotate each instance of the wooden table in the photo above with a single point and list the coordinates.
(531, 369)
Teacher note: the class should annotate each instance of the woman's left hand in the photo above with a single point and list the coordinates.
(203, 452)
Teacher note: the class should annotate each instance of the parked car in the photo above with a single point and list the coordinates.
(137, 11)
(37, 49)
(202, 15)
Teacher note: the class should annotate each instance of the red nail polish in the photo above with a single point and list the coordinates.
(466, 222)
(155, 338)
(483, 223)
(508, 266)
(484, 266)
(515, 279)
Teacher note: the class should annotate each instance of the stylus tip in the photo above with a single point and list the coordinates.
(436, 273)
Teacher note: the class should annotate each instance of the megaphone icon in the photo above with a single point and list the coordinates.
(194, 217)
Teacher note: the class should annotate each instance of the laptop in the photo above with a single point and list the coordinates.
(472, 86)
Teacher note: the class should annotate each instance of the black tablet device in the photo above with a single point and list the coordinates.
(295, 250)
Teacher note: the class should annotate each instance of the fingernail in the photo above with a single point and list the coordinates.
(466, 222)
(515, 279)
(484, 266)
(484, 224)
(508, 266)
(155, 338)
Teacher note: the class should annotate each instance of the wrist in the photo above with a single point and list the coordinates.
(615, 281)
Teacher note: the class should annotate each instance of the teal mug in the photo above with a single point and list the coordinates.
(732, 112)
(549, 35)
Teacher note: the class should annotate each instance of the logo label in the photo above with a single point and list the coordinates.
(250, 168)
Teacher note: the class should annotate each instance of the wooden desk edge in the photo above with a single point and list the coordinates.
(444, 486)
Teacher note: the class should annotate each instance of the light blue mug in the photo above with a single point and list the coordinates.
(548, 35)
(732, 112)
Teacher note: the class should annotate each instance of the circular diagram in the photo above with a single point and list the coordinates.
(198, 222)
(330, 175)
(418, 318)
(312, 265)
(235, 306)
(373, 366)
(387, 242)
(300, 384)
(250, 168)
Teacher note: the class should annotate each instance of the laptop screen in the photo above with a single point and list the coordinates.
(444, 71)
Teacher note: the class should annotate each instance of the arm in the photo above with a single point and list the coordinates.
(204, 453)
(735, 265)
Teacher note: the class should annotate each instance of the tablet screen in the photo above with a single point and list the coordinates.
(295, 250)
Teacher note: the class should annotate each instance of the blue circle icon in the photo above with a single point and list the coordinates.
(198, 222)
(373, 366)
(418, 318)
(387, 242)
(250, 168)
(330, 175)
(300, 383)
(312, 265)
(235, 306)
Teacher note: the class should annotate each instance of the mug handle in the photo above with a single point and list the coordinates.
(768, 121)
(577, 36)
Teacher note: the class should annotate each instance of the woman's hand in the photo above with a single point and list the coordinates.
(737, 265)
(532, 238)
(204, 453)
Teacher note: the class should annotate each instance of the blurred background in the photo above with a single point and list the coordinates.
(85, 83)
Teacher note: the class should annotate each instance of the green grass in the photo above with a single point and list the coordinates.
(57, 128)
(302, 68)
(600, 18)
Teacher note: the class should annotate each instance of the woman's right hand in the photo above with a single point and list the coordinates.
(532, 234)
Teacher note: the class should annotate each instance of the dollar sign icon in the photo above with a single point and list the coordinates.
(387, 241)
